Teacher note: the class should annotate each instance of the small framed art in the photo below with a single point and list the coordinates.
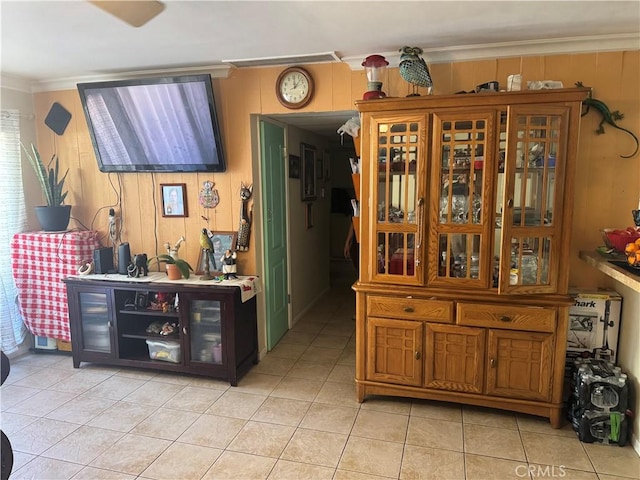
(222, 241)
(308, 216)
(174, 199)
(294, 166)
(308, 183)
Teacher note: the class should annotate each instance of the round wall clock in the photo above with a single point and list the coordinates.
(294, 87)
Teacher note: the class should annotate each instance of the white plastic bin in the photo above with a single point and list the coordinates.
(165, 351)
(44, 343)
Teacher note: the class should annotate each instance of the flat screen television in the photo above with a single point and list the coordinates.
(159, 124)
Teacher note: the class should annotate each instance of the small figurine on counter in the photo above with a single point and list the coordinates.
(228, 261)
(172, 251)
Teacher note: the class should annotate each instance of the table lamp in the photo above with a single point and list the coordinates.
(375, 66)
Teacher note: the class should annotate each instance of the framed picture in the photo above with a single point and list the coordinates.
(308, 216)
(326, 163)
(222, 241)
(308, 172)
(294, 166)
(174, 199)
(319, 167)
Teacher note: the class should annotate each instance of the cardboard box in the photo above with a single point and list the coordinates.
(64, 346)
(588, 335)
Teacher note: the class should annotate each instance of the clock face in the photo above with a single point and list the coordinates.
(294, 87)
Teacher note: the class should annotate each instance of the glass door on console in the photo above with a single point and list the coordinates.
(398, 205)
(531, 205)
(462, 169)
(205, 332)
(96, 322)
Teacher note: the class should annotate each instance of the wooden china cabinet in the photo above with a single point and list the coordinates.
(465, 215)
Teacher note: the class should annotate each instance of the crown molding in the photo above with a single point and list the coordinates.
(13, 82)
(216, 71)
(554, 46)
(551, 46)
(324, 57)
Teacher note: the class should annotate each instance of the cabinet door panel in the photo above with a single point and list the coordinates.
(519, 364)
(532, 209)
(463, 159)
(394, 352)
(205, 332)
(394, 200)
(96, 321)
(454, 358)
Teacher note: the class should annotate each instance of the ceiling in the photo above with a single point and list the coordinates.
(53, 41)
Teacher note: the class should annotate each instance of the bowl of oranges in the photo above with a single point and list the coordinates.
(632, 251)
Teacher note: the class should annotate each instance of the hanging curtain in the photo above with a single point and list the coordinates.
(14, 221)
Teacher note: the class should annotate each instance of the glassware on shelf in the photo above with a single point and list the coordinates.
(476, 207)
(474, 266)
(529, 268)
(459, 208)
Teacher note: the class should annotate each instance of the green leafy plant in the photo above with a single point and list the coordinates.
(182, 265)
(48, 176)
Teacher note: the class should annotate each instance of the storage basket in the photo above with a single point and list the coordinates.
(165, 351)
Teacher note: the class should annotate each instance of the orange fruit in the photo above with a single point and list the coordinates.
(631, 259)
(637, 242)
(630, 248)
(638, 257)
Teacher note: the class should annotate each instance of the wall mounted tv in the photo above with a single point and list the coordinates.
(160, 124)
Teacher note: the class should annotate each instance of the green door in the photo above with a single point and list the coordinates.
(275, 231)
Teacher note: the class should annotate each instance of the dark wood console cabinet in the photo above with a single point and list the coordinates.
(216, 332)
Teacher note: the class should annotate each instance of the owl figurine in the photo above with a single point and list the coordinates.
(414, 70)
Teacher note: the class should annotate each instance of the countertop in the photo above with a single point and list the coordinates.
(617, 273)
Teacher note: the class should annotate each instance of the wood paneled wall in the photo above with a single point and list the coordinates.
(607, 186)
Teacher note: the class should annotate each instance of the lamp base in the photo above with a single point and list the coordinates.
(373, 94)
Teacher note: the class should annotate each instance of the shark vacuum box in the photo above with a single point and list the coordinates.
(594, 323)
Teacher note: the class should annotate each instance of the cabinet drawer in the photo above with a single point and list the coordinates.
(533, 319)
(438, 311)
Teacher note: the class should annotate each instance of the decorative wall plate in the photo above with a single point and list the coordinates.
(208, 195)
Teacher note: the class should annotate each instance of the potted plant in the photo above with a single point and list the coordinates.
(54, 216)
(183, 268)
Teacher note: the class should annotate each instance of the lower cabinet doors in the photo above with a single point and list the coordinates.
(494, 362)
(454, 358)
(394, 352)
(519, 364)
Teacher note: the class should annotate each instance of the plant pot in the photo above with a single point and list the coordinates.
(53, 219)
(173, 272)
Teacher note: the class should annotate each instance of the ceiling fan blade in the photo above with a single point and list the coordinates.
(135, 13)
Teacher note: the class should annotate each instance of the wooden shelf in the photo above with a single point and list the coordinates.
(151, 336)
(617, 273)
(356, 227)
(151, 313)
(355, 177)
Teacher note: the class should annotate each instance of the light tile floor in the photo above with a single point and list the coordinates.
(293, 416)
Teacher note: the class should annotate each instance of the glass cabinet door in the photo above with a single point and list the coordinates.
(462, 168)
(96, 323)
(532, 205)
(205, 333)
(397, 204)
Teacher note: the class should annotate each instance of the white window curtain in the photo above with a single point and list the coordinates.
(14, 221)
